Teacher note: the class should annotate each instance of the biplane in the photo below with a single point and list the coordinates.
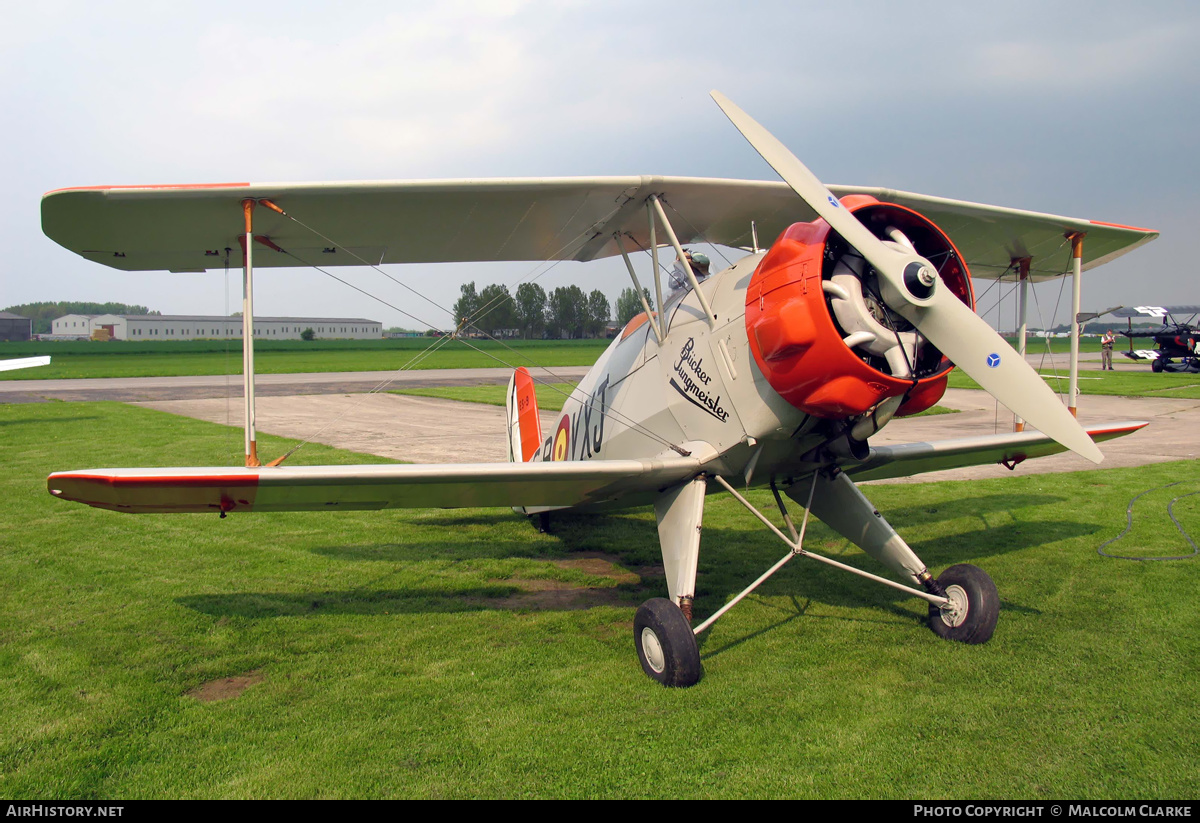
(1174, 344)
(772, 373)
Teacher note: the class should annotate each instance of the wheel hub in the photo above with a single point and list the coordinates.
(653, 650)
(955, 611)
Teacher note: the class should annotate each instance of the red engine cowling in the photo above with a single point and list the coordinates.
(807, 356)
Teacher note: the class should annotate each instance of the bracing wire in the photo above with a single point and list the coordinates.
(463, 323)
(696, 231)
(544, 382)
(383, 385)
(1048, 350)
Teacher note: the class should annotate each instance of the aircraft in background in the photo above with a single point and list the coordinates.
(24, 363)
(772, 373)
(1175, 343)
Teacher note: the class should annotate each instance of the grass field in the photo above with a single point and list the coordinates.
(464, 654)
(1124, 383)
(122, 359)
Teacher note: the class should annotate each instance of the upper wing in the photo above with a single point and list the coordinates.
(991, 237)
(406, 221)
(330, 488)
(190, 228)
(917, 458)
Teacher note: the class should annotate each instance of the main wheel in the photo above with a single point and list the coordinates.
(1156, 365)
(665, 644)
(974, 607)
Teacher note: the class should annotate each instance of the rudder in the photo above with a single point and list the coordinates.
(524, 425)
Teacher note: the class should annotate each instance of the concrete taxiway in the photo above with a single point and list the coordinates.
(429, 430)
(347, 410)
(131, 389)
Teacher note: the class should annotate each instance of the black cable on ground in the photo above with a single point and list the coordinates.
(1170, 513)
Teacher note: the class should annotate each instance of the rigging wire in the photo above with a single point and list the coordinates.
(590, 402)
(365, 262)
(1049, 352)
(480, 312)
(696, 231)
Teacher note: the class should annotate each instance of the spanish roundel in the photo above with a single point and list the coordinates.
(561, 439)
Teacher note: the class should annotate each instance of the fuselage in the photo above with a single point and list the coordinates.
(799, 352)
(701, 385)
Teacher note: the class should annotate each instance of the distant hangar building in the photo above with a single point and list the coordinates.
(201, 327)
(15, 327)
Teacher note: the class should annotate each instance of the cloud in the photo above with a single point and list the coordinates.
(1073, 107)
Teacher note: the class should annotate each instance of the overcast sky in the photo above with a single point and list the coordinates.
(1084, 109)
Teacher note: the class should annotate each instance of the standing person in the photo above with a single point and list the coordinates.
(1106, 348)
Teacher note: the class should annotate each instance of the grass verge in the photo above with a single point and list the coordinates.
(464, 654)
(1120, 383)
(123, 359)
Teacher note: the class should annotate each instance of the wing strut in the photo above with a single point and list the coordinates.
(661, 320)
(1023, 331)
(247, 241)
(653, 321)
(687, 267)
(1076, 238)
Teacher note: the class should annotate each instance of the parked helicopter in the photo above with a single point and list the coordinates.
(1175, 343)
(772, 373)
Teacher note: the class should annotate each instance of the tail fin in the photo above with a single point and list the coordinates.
(524, 425)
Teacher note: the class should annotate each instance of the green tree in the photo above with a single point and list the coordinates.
(531, 310)
(308, 334)
(496, 312)
(628, 305)
(567, 312)
(466, 306)
(598, 313)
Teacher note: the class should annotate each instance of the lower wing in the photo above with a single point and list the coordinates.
(591, 483)
(1013, 448)
(330, 488)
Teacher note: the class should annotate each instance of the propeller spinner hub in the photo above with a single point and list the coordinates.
(919, 279)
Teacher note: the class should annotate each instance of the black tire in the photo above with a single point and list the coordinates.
(1156, 365)
(977, 606)
(665, 644)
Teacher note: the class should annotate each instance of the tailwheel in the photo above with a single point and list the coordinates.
(974, 607)
(665, 644)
